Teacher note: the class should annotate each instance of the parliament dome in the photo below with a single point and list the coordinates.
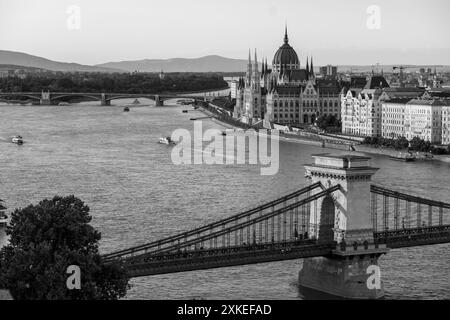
(286, 56)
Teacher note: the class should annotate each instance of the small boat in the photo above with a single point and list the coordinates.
(136, 101)
(166, 140)
(185, 111)
(405, 158)
(126, 109)
(17, 140)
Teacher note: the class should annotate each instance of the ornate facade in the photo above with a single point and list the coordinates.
(286, 93)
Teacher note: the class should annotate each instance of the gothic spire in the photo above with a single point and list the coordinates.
(256, 62)
(312, 67)
(307, 65)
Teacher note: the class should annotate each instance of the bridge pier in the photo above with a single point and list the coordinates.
(45, 98)
(345, 218)
(105, 102)
(350, 277)
(158, 101)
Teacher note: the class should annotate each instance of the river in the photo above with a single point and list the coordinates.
(112, 161)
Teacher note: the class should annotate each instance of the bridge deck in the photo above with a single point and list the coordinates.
(201, 259)
(217, 258)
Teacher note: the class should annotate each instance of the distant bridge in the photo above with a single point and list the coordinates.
(48, 98)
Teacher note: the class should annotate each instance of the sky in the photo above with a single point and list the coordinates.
(334, 32)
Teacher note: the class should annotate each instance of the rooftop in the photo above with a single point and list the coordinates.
(341, 161)
(398, 100)
(429, 102)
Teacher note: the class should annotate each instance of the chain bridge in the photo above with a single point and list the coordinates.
(340, 224)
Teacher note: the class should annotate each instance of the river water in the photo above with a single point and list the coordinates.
(112, 161)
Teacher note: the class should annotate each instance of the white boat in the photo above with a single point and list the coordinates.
(17, 140)
(166, 140)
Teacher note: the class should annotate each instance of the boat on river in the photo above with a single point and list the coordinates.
(126, 109)
(166, 140)
(17, 140)
(403, 157)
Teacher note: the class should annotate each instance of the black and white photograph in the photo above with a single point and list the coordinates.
(224, 155)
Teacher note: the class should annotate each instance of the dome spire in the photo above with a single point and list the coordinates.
(286, 39)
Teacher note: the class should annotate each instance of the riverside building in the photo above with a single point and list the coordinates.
(446, 124)
(423, 119)
(361, 105)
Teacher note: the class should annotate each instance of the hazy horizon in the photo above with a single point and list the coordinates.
(404, 32)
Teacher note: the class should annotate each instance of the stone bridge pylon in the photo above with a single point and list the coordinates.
(344, 217)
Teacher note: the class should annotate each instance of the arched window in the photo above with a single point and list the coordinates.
(275, 103)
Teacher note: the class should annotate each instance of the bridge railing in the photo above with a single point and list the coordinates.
(392, 210)
(221, 224)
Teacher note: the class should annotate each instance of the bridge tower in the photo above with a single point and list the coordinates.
(344, 217)
(45, 98)
(105, 102)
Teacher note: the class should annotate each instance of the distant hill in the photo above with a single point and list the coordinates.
(210, 63)
(27, 60)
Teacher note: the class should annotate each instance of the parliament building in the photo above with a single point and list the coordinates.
(286, 93)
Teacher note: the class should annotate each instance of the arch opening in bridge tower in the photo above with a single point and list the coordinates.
(327, 220)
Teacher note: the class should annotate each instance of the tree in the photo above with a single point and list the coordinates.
(46, 239)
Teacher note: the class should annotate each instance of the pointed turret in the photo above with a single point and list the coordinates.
(312, 67)
(307, 65)
(248, 76)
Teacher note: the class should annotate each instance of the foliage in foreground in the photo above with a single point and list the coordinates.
(47, 238)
